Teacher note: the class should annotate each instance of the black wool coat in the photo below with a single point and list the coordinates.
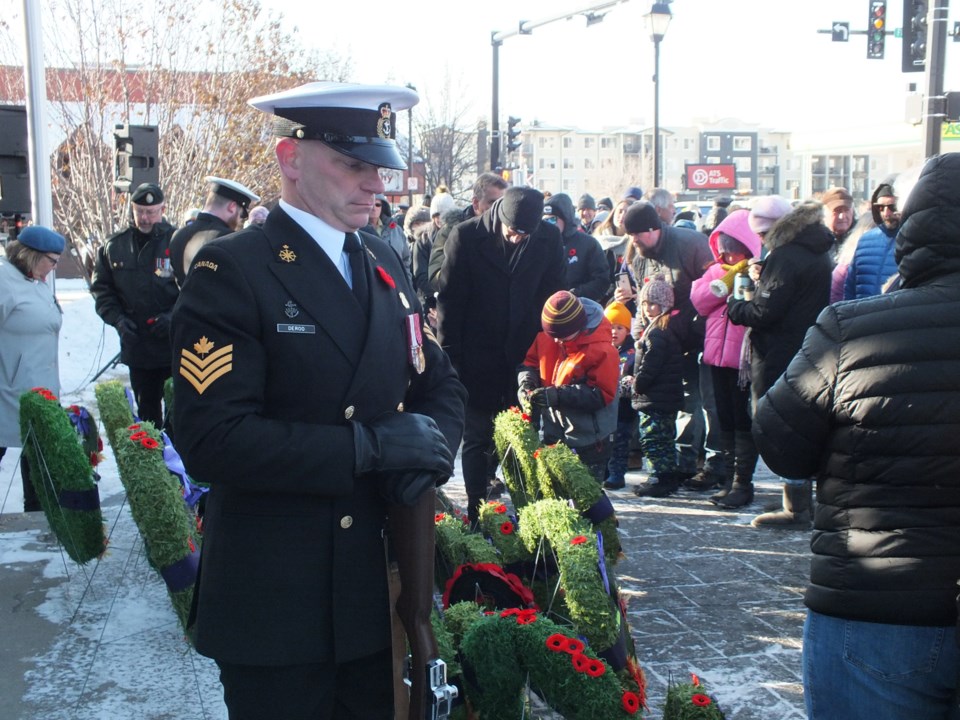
(273, 357)
(488, 314)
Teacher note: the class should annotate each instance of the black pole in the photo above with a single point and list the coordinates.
(936, 56)
(111, 364)
(656, 112)
(495, 116)
(410, 158)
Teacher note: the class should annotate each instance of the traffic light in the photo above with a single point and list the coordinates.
(876, 29)
(136, 156)
(513, 134)
(15, 194)
(914, 35)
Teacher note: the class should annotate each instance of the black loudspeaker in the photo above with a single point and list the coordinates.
(137, 159)
(14, 160)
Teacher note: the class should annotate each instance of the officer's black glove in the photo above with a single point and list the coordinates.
(127, 328)
(397, 442)
(403, 488)
(160, 325)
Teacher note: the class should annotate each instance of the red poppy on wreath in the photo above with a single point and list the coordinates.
(558, 642)
(138, 436)
(526, 619)
(580, 662)
(536, 453)
(578, 540)
(500, 509)
(507, 528)
(135, 426)
(573, 252)
(524, 417)
(193, 548)
(438, 517)
(694, 680)
(630, 702)
(700, 700)
(574, 646)
(595, 668)
(385, 276)
(149, 443)
(94, 459)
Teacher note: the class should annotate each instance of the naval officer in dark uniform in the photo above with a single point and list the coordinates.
(224, 209)
(311, 398)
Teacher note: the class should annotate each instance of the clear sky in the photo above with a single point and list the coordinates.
(761, 61)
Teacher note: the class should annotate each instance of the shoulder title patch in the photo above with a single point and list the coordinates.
(202, 372)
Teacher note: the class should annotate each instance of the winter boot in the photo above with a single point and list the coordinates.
(796, 512)
(473, 510)
(728, 448)
(709, 479)
(660, 486)
(745, 462)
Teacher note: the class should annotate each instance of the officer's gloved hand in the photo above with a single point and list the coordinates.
(398, 442)
(160, 324)
(403, 488)
(127, 328)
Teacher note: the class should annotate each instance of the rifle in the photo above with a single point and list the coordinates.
(413, 535)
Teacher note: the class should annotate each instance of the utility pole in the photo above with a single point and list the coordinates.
(936, 58)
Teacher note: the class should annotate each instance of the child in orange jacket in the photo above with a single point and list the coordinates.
(571, 374)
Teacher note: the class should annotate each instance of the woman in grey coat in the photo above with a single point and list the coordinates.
(30, 321)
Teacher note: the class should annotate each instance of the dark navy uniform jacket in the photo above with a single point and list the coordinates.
(273, 357)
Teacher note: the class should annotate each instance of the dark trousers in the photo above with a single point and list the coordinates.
(594, 457)
(477, 450)
(658, 431)
(733, 402)
(147, 386)
(31, 503)
(357, 690)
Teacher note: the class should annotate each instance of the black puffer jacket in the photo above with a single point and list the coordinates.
(587, 272)
(793, 288)
(871, 406)
(658, 369)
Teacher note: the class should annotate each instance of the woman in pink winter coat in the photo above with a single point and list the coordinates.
(733, 243)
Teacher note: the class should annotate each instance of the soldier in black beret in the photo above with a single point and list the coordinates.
(134, 290)
(321, 412)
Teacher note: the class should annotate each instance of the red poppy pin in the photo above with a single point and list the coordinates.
(573, 251)
(385, 276)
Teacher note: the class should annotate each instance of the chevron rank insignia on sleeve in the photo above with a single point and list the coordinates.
(204, 367)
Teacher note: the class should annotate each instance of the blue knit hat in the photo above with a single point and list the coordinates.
(42, 239)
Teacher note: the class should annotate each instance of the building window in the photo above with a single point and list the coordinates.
(589, 142)
(713, 143)
(547, 143)
(743, 164)
(567, 143)
(742, 143)
(688, 144)
(609, 143)
(606, 163)
(568, 163)
(588, 164)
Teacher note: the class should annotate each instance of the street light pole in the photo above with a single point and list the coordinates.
(410, 150)
(657, 20)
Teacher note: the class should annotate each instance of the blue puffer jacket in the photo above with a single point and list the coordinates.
(873, 264)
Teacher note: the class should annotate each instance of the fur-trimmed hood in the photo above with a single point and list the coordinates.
(803, 224)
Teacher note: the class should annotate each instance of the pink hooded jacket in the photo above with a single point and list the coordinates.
(722, 339)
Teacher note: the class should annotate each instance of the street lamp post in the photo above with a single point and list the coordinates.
(657, 21)
(410, 150)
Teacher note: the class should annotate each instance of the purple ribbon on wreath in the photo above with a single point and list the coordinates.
(600, 510)
(171, 458)
(80, 421)
(132, 404)
(601, 565)
(183, 573)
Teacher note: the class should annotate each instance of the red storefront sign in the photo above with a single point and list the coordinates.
(711, 177)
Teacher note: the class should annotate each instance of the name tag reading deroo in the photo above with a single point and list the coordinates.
(297, 329)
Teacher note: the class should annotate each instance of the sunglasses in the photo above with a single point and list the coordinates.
(550, 219)
(892, 207)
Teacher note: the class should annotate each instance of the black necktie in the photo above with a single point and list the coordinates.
(351, 246)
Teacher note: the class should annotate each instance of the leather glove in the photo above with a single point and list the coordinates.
(160, 325)
(398, 442)
(127, 329)
(406, 487)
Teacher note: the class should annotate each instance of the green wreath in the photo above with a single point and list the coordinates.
(62, 475)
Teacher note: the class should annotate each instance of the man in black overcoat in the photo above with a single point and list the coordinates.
(498, 271)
